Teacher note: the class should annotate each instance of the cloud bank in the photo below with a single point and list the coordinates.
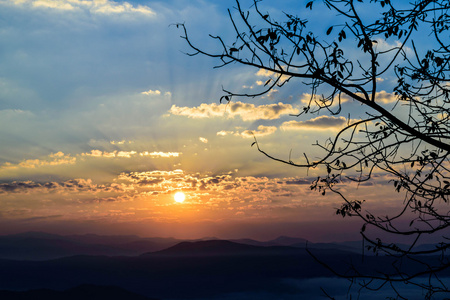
(318, 123)
(246, 111)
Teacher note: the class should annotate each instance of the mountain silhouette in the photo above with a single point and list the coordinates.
(224, 248)
(187, 270)
(279, 241)
(288, 241)
(45, 246)
(212, 247)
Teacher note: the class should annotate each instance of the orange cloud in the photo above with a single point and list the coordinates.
(126, 154)
(160, 154)
(246, 111)
(129, 154)
(149, 196)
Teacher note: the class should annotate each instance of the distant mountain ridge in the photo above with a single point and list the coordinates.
(279, 241)
(188, 270)
(200, 269)
(210, 247)
(36, 245)
(222, 248)
(46, 246)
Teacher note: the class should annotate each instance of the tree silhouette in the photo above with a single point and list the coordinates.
(409, 140)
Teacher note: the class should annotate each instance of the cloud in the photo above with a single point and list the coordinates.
(270, 74)
(59, 158)
(224, 191)
(318, 123)
(151, 92)
(126, 154)
(160, 154)
(246, 111)
(100, 153)
(53, 159)
(382, 45)
(202, 111)
(203, 140)
(129, 154)
(381, 96)
(158, 180)
(74, 185)
(298, 181)
(55, 4)
(224, 132)
(119, 142)
(307, 98)
(271, 94)
(105, 7)
(149, 196)
(14, 187)
(262, 131)
(264, 73)
(167, 181)
(385, 97)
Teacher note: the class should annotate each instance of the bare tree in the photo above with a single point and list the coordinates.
(409, 140)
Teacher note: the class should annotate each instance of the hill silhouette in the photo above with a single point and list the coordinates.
(225, 248)
(212, 247)
(202, 269)
(279, 241)
(195, 270)
(45, 246)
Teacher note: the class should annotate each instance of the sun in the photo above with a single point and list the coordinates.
(179, 197)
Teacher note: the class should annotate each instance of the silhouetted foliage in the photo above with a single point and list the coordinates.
(408, 139)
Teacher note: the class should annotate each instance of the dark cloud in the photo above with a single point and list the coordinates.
(17, 187)
(73, 185)
(322, 122)
(150, 181)
(298, 181)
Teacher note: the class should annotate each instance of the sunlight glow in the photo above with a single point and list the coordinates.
(179, 197)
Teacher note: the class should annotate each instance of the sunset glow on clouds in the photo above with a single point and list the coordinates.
(318, 123)
(103, 118)
(246, 111)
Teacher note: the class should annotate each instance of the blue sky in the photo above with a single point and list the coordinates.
(103, 118)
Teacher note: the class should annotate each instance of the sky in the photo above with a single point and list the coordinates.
(103, 118)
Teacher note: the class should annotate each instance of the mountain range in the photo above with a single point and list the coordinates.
(45, 246)
(38, 265)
